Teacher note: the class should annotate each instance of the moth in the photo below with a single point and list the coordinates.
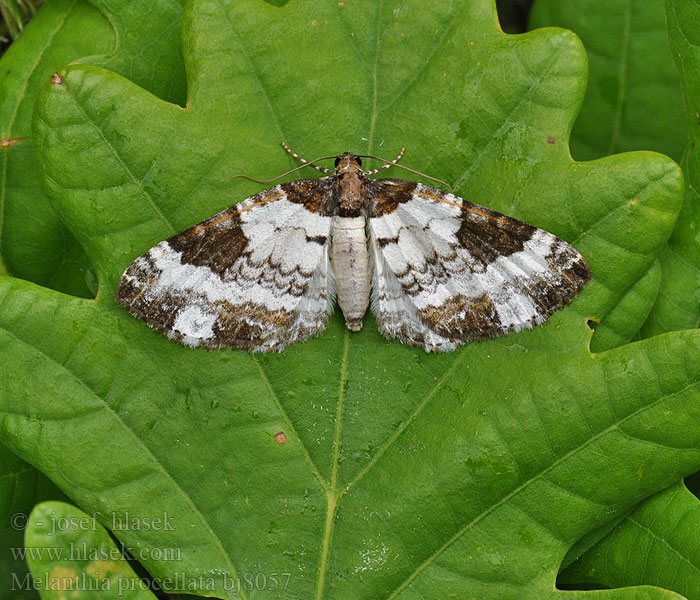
(437, 270)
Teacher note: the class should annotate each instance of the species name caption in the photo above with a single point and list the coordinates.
(72, 580)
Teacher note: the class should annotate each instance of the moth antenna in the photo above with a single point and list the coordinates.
(393, 163)
(306, 162)
(386, 166)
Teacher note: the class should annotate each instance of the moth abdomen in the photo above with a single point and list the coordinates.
(350, 263)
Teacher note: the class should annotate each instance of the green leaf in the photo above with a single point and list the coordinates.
(678, 303)
(623, 322)
(633, 100)
(34, 244)
(585, 543)
(21, 487)
(655, 544)
(71, 554)
(400, 474)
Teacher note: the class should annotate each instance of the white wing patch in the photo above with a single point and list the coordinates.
(255, 276)
(397, 316)
(446, 272)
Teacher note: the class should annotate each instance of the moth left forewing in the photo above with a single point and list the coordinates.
(255, 276)
(446, 271)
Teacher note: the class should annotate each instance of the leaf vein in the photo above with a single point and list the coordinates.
(458, 535)
(140, 443)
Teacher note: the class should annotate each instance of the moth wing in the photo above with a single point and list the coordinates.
(255, 276)
(446, 271)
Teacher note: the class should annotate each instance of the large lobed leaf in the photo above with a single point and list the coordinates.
(400, 474)
(632, 77)
(34, 244)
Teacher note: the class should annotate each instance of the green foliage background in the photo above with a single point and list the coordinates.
(551, 455)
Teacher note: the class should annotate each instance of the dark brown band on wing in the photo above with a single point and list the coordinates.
(464, 318)
(486, 240)
(214, 247)
(387, 194)
(316, 195)
(133, 297)
(312, 193)
(487, 234)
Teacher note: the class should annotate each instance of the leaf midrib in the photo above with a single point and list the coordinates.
(332, 496)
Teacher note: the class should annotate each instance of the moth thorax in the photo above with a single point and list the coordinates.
(350, 262)
(351, 197)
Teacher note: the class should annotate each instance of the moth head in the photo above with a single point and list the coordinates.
(348, 162)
